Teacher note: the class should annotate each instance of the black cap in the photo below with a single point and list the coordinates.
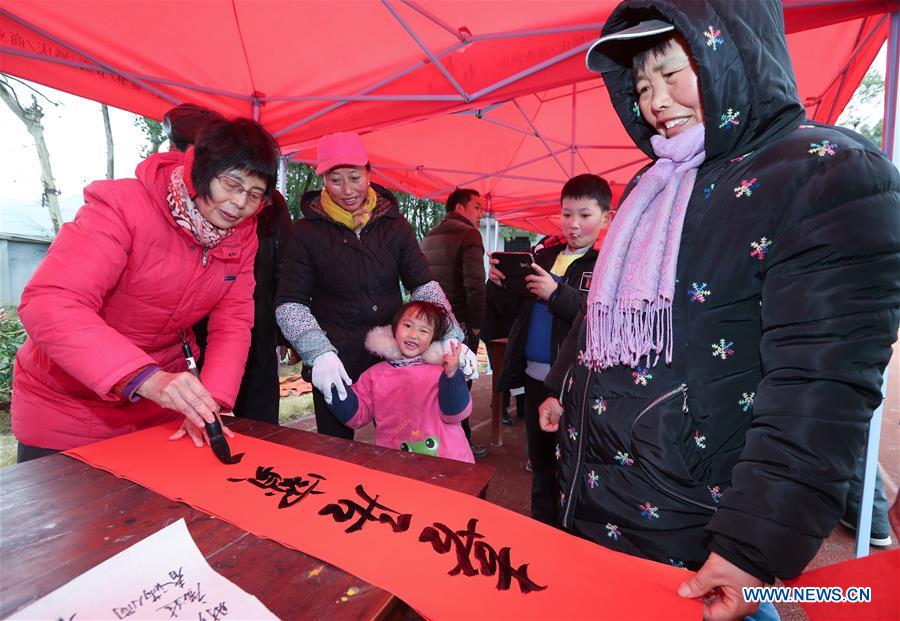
(598, 57)
(183, 122)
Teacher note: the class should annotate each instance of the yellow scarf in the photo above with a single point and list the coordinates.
(353, 220)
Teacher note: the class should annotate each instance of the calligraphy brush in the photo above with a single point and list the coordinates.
(217, 440)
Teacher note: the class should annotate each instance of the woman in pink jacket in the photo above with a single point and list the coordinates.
(121, 286)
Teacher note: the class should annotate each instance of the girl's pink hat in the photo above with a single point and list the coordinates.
(341, 148)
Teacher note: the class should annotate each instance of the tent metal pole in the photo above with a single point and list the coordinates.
(127, 74)
(437, 63)
(425, 170)
(282, 175)
(480, 112)
(396, 183)
(502, 170)
(434, 18)
(607, 147)
(368, 89)
(348, 98)
(842, 75)
(429, 176)
(534, 32)
(621, 166)
(521, 131)
(496, 233)
(538, 134)
(890, 138)
(91, 58)
(889, 142)
(572, 145)
(527, 72)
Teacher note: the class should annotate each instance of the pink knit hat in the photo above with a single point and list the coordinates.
(345, 148)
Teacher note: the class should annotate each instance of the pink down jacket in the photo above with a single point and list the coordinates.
(113, 294)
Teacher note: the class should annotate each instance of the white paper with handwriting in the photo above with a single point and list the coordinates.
(162, 577)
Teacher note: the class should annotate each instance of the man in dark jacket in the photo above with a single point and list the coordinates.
(725, 443)
(455, 253)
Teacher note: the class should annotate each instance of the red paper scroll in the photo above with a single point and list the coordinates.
(880, 572)
(411, 543)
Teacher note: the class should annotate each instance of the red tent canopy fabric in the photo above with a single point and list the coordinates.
(310, 68)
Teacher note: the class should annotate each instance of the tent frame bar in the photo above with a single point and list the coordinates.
(434, 18)
(437, 63)
(541, 138)
(104, 66)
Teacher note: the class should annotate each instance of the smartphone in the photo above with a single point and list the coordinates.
(515, 267)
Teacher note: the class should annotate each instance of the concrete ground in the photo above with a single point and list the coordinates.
(510, 487)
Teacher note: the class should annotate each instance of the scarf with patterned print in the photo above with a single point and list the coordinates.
(187, 216)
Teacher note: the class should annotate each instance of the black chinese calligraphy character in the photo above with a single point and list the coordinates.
(490, 562)
(294, 489)
(351, 509)
(213, 614)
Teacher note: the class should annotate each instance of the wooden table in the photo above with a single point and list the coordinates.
(60, 517)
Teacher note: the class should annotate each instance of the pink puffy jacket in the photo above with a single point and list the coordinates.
(117, 286)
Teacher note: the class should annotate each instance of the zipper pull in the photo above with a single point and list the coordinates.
(203, 259)
(684, 406)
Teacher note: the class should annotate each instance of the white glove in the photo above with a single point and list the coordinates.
(468, 360)
(328, 371)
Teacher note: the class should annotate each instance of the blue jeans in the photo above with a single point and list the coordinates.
(765, 612)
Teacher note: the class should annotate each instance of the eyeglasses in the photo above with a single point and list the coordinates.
(236, 188)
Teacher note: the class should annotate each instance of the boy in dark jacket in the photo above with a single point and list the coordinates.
(721, 384)
(559, 285)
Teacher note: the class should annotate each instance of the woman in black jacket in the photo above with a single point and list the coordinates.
(726, 439)
(347, 257)
(563, 268)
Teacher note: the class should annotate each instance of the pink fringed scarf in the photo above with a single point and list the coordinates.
(185, 212)
(630, 304)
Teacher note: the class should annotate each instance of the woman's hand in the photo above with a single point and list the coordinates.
(548, 414)
(540, 284)
(495, 275)
(198, 436)
(451, 358)
(185, 394)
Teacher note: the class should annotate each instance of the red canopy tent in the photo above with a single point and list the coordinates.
(491, 85)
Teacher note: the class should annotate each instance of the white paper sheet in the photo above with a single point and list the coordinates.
(162, 577)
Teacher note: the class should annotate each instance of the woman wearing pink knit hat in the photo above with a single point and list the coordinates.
(342, 274)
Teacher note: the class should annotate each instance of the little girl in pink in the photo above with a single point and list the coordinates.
(418, 396)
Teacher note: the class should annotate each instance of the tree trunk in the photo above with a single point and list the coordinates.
(31, 117)
(110, 152)
(50, 197)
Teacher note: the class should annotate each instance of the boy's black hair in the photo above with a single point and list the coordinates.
(460, 196)
(588, 186)
(434, 314)
(240, 144)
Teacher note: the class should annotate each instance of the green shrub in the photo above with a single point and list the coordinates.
(12, 335)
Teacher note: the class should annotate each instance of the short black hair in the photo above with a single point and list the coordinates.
(460, 196)
(588, 186)
(239, 144)
(182, 123)
(654, 47)
(434, 314)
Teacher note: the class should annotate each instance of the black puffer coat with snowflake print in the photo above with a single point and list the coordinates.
(787, 295)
